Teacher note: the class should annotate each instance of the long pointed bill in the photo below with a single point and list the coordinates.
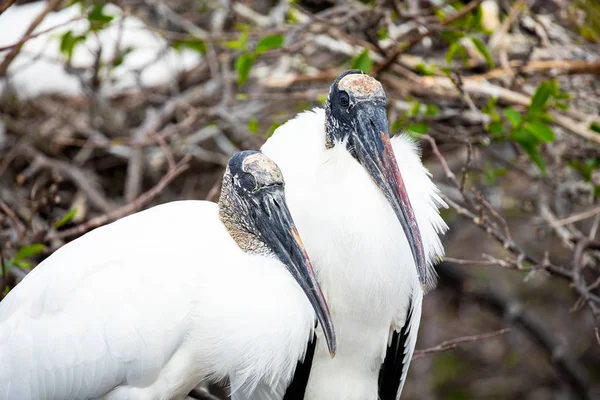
(279, 232)
(373, 149)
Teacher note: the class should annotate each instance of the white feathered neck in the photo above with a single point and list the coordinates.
(301, 141)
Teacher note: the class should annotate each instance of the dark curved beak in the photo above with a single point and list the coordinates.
(277, 228)
(372, 148)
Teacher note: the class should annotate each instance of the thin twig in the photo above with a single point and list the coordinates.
(578, 217)
(451, 344)
(578, 279)
(594, 227)
(214, 191)
(52, 4)
(460, 261)
(498, 36)
(18, 225)
(552, 67)
(507, 244)
(483, 223)
(5, 6)
(34, 35)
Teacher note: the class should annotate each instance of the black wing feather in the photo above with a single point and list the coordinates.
(297, 387)
(394, 366)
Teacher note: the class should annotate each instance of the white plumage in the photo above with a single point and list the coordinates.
(359, 250)
(149, 306)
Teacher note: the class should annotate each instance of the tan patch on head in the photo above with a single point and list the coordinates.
(361, 85)
(264, 170)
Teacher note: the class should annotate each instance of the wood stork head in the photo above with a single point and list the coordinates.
(355, 117)
(252, 207)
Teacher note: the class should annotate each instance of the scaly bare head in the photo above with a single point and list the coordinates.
(253, 209)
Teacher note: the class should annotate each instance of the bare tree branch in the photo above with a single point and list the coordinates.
(127, 209)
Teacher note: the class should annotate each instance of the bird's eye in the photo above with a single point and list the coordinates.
(249, 182)
(344, 99)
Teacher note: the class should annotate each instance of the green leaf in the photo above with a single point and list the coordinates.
(196, 45)
(419, 127)
(478, 18)
(594, 126)
(535, 156)
(272, 128)
(97, 14)
(243, 40)
(239, 44)
(561, 105)
(23, 264)
(243, 65)
(269, 42)
(540, 97)
(463, 55)
(28, 251)
(490, 177)
(483, 50)
(530, 144)
(452, 50)
(512, 116)
(253, 125)
(431, 110)
(291, 15)
(233, 44)
(490, 108)
(439, 13)
(97, 17)
(451, 36)
(491, 174)
(66, 218)
(543, 117)
(363, 62)
(554, 87)
(541, 131)
(396, 126)
(586, 168)
(525, 138)
(121, 56)
(415, 109)
(496, 128)
(382, 33)
(68, 41)
(424, 69)
(447, 71)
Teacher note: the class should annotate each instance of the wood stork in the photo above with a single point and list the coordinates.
(154, 303)
(368, 213)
